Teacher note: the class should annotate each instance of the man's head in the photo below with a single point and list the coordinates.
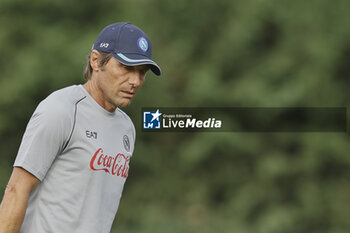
(118, 63)
(128, 44)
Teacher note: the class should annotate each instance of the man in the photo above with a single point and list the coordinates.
(74, 157)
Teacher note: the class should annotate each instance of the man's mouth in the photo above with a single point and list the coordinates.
(128, 94)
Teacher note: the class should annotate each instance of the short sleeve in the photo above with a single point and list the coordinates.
(133, 132)
(45, 136)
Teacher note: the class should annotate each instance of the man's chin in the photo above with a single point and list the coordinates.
(125, 103)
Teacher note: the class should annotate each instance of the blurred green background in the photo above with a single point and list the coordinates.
(237, 53)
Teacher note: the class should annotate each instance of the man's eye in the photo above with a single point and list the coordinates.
(143, 71)
(129, 68)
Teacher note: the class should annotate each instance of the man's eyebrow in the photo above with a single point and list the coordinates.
(144, 68)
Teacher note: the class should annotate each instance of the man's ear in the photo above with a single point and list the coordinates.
(95, 60)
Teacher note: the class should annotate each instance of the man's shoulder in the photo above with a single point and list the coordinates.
(124, 115)
(129, 121)
(68, 95)
(62, 101)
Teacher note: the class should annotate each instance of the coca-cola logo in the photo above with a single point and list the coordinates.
(117, 165)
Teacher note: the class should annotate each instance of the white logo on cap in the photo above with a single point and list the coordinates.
(142, 43)
(104, 45)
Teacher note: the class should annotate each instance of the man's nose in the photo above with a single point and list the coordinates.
(136, 78)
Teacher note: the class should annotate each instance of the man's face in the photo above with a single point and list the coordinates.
(118, 83)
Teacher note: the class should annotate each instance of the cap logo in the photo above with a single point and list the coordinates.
(142, 43)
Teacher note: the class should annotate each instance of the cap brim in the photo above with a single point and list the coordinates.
(137, 59)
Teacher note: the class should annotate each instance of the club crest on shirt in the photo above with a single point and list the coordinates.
(126, 143)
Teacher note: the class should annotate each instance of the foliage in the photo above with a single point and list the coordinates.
(265, 53)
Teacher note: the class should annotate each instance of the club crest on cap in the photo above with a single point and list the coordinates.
(142, 43)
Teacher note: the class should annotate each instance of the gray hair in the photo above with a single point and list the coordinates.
(104, 58)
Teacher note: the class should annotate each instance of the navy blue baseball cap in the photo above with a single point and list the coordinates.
(128, 44)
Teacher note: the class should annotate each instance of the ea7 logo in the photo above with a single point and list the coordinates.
(91, 134)
(104, 45)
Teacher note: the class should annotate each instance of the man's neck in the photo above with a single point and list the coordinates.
(96, 93)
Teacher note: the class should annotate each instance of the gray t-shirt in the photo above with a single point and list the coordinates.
(80, 152)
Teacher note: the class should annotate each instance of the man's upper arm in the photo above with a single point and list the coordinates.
(22, 180)
(15, 200)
